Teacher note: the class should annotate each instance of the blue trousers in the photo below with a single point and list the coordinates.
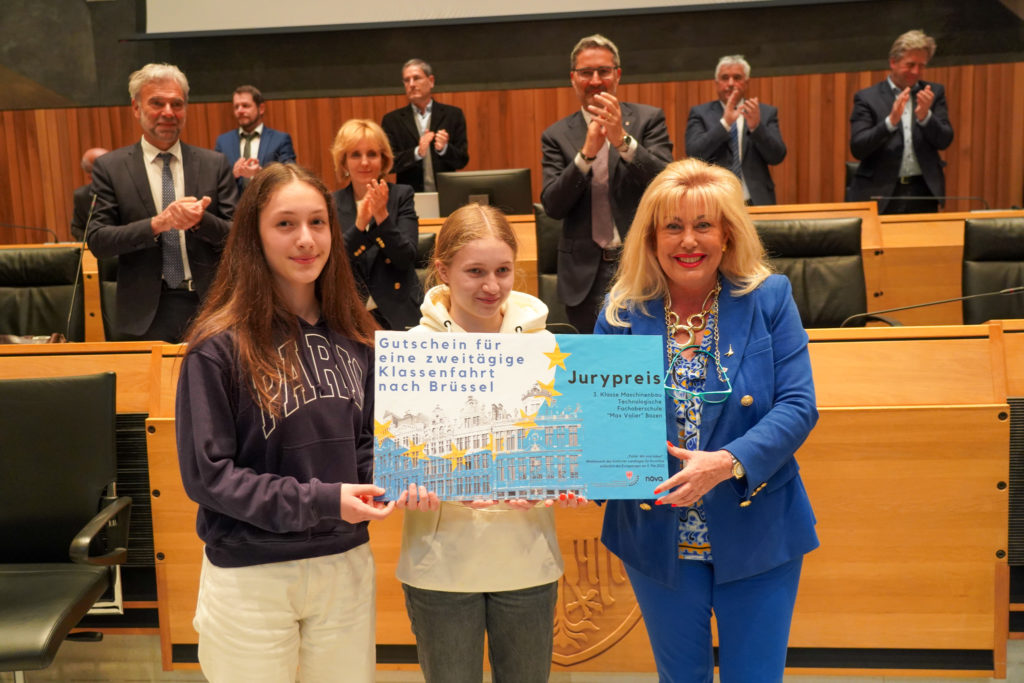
(449, 629)
(753, 617)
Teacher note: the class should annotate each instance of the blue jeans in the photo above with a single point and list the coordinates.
(449, 629)
(753, 617)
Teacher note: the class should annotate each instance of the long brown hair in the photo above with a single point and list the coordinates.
(243, 299)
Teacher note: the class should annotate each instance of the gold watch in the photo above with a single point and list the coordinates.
(738, 471)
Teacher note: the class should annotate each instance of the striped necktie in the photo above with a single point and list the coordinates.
(173, 268)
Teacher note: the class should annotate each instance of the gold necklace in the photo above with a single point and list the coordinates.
(696, 322)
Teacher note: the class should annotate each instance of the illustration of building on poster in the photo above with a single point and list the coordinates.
(502, 416)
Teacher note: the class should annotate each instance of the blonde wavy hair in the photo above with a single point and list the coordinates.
(351, 133)
(678, 191)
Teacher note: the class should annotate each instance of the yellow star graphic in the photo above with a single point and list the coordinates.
(528, 422)
(549, 389)
(557, 357)
(382, 430)
(416, 452)
(455, 456)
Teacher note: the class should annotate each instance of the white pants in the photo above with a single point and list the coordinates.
(260, 624)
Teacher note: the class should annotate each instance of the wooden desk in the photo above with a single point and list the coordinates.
(130, 360)
(923, 261)
(903, 470)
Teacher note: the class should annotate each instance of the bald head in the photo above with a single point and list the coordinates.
(90, 157)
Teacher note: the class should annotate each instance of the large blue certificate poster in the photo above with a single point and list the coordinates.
(499, 416)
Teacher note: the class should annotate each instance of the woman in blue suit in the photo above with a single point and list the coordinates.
(379, 224)
(729, 528)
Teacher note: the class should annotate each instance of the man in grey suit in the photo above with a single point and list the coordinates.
(597, 163)
(252, 145)
(897, 129)
(163, 208)
(738, 132)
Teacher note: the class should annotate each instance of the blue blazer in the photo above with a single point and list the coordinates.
(384, 257)
(274, 146)
(707, 139)
(770, 364)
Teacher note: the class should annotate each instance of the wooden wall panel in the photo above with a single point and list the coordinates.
(40, 149)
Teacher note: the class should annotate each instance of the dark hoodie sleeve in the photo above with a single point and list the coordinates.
(207, 455)
(364, 446)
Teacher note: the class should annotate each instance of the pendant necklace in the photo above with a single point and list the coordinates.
(696, 322)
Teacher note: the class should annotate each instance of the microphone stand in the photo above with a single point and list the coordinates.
(1010, 290)
(29, 227)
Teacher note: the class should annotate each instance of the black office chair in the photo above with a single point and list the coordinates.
(851, 171)
(424, 255)
(993, 261)
(548, 232)
(822, 259)
(57, 553)
(108, 296)
(39, 288)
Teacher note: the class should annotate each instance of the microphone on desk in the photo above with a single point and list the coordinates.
(857, 316)
(931, 198)
(81, 275)
(29, 227)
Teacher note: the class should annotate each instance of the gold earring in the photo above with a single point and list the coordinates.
(724, 247)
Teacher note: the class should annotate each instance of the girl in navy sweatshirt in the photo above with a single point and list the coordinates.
(275, 443)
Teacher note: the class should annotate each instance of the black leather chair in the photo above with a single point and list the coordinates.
(424, 255)
(993, 261)
(822, 259)
(57, 553)
(108, 296)
(851, 171)
(39, 288)
(548, 232)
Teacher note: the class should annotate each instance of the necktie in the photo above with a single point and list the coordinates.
(247, 151)
(173, 269)
(734, 146)
(601, 226)
(247, 146)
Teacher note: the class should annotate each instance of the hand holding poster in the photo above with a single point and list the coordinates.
(503, 416)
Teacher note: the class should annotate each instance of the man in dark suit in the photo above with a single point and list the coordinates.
(738, 132)
(428, 136)
(164, 209)
(252, 145)
(82, 195)
(597, 163)
(897, 129)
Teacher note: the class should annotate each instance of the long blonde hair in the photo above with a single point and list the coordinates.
(685, 183)
(464, 225)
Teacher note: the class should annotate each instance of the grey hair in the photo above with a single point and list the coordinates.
(730, 60)
(594, 41)
(153, 73)
(415, 61)
(912, 40)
